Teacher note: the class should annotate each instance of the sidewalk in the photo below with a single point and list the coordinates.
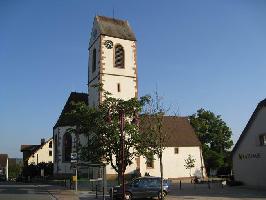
(60, 193)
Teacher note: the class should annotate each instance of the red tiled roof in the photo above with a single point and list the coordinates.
(178, 131)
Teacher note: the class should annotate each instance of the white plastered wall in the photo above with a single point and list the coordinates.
(251, 169)
(126, 77)
(61, 166)
(173, 164)
(109, 76)
(93, 77)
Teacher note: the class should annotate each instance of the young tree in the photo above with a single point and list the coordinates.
(190, 163)
(214, 135)
(153, 134)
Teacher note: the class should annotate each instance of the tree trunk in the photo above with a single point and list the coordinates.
(161, 171)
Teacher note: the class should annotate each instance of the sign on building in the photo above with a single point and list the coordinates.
(74, 157)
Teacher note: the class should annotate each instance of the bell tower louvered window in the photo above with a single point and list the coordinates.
(119, 57)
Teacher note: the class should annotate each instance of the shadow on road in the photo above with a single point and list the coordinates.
(194, 191)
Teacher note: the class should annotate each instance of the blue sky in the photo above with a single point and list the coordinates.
(199, 54)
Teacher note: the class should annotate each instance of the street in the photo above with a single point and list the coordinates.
(20, 191)
(24, 191)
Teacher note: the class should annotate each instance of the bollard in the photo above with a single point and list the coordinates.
(180, 184)
(96, 187)
(103, 193)
(112, 193)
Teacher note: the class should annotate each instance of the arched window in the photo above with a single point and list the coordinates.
(119, 56)
(67, 147)
(50, 144)
(93, 60)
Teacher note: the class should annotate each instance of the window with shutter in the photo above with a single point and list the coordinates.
(119, 57)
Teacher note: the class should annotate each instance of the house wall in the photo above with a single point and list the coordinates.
(249, 159)
(173, 164)
(131, 169)
(42, 154)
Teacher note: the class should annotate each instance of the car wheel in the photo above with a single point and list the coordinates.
(160, 196)
(128, 196)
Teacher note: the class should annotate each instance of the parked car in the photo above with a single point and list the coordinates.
(143, 187)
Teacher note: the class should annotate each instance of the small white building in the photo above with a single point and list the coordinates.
(36, 154)
(180, 142)
(249, 153)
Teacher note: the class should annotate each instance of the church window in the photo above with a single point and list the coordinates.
(176, 150)
(118, 87)
(50, 153)
(93, 60)
(50, 144)
(119, 56)
(263, 140)
(150, 161)
(67, 147)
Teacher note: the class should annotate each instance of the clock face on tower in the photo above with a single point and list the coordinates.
(108, 44)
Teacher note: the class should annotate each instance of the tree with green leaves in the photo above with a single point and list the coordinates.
(190, 163)
(101, 126)
(215, 137)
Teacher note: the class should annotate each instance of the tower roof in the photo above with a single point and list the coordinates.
(115, 28)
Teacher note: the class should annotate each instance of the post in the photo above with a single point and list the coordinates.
(122, 121)
(77, 178)
(103, 181)
(180, 184)
(112, 193)
(96, 191)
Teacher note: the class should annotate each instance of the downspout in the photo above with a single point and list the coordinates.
(7, 169)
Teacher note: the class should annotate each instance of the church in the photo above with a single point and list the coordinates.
(112, 64)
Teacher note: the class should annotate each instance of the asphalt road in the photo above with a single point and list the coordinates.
(21, 191)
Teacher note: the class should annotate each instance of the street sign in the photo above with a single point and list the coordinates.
(74, 178)
(74, 157)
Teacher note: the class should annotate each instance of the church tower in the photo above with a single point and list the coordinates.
(112, 60)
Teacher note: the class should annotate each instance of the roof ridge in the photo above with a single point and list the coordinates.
(110, 18)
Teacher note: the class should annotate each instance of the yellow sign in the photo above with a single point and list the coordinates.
(74, 178)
